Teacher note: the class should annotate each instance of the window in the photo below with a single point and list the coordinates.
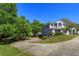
(51, 24)
(55, 24)
(60, 24)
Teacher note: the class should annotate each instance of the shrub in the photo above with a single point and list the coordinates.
(45, 37)
(40, 36)
(55, 39)
(57, 33)
(10, 33)
(7, 33)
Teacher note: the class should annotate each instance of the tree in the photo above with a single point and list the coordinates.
(11, 25)
(36, 26)
(8, 13)
(9, 8)
(23, 26)
(69, 23)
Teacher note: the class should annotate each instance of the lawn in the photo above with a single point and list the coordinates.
(6, 50)
(59, 38)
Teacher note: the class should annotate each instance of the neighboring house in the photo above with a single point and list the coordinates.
(57, 27)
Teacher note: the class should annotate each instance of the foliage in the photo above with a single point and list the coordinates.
(36, 26)
(40, 36)
(8, 13)
(20, 30)
(12, 28)
(70, 24)
(59, 38)
(9, 8)
(57, 33)
(6, 31)
(23, 26)
(44, 37)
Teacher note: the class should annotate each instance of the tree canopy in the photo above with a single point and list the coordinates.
(11, 24)
(36, 26)
(70, 24)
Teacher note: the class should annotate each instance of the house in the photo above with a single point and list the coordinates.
(58, 27)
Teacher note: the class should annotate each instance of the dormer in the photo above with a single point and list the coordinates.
(60, 24)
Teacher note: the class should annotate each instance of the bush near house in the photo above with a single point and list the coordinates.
(58, 33)
(45, 37)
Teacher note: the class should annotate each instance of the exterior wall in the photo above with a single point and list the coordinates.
(60, 24)
(67, 33)
(57, 25)
(53, 31)
(77, 32)
(50, 28)
(46, 31)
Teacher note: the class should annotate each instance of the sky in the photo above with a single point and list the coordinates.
(49, 12)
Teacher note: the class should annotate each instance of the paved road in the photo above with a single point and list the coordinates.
(67, 48)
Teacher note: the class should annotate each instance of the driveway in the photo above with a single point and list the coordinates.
(67, 48)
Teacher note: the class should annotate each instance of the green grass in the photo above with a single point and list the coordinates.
(59, 38)
(6, 50)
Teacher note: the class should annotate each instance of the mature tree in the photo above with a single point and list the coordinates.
(70, 24)
(9, 8)
(36, 26)
(8, 13)
(11, 25)
(23, 26)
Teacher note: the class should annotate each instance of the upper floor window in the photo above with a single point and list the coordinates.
(51, 24)
(55, 24)
(60, 24)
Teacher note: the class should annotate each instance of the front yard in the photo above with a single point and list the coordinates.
(68, 47)
(59, 38)
(6, 50)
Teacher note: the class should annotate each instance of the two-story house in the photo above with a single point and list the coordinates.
(57, 27)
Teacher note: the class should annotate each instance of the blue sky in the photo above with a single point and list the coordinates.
(46, 12)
